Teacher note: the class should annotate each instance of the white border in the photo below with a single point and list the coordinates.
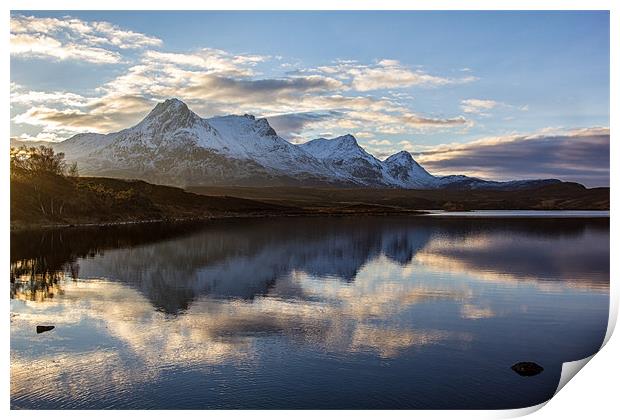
(313, 5)
(593, 394)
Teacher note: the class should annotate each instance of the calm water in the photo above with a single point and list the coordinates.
(419, 312)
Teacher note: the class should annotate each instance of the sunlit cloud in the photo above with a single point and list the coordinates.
(208, 59)
(73, 39)
(325, 99)
(45, 46)
(211, 93)
(386, 74)
(96, 115)
(20, 95)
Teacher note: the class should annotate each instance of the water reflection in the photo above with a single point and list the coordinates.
(241, 261)
(144, 307)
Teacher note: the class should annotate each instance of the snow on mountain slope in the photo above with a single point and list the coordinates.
(347, 159)
(173, 145)
(252, 138)
(408, 173)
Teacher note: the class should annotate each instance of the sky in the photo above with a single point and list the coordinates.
(499, 95)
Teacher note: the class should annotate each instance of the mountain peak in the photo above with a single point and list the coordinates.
(169, 104)
(403, 168)
(174, 101)
(339, 148)
(172, 113)
(402, 157)
(245, 123)
(347, 140)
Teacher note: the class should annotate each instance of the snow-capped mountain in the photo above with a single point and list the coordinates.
(348, 160)
(408, 173)
(173, 145)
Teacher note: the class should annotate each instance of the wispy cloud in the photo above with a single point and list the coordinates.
(210, 60)
(21, 95)
(225, 86)
(36, 45)
(386, 74)
(482, 107)
(342, 96)
(477, 106)
(73, 39)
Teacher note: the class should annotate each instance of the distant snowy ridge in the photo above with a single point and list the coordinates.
(172, 145)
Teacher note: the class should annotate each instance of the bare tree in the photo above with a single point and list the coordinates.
(38, 159)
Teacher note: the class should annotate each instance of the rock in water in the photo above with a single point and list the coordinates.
(43, 328)
(527, 368)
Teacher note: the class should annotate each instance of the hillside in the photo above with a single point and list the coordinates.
(49, 199)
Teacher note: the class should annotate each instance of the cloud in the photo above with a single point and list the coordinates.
(19, 95)
(478, 106)
(212, 60)
(403, 121)
(261, 90)
(73, 39)
(225, 89)
(386, 74)
(290, 126)
(45, 46)
(482, 106)
(47, 136)
(380, 148)
(96, 116)
(577, 155)
(328, 99)
(380, 142)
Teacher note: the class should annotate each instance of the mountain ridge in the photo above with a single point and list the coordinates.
(173, 145)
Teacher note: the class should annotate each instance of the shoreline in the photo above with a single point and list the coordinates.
(205, 219)
(20, 228)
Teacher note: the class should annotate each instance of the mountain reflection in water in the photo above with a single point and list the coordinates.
(283, 313)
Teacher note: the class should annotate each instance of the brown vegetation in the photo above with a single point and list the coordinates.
(564, 196)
